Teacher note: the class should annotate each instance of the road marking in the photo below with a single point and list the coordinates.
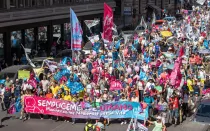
(59, 126)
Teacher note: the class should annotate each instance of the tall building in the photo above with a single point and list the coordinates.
(37, 24)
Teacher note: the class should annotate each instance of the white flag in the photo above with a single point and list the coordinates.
(91, 23)
(51, 64)
(27, 57)
(114, 28)
(201, 2)
(153, 18)
(143, 23)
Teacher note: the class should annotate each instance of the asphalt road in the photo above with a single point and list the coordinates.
(35, 124)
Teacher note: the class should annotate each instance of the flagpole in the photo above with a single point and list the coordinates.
(71, 39)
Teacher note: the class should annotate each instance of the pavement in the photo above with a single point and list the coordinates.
(36, 124)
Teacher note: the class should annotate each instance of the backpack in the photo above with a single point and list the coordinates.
(89, 127)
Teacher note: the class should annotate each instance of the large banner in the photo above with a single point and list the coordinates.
(84, 110)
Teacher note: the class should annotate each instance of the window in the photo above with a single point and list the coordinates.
(27, 3)
(12, 3)
(16, 38)
(29, 38)
(2, 4)
(20, 3)
(40, 2)
(1, 46)
(47, 2)
(57, 1)
(67, 31)
(67, 1)
(33, 2)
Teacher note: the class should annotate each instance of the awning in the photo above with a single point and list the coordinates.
(154, 7)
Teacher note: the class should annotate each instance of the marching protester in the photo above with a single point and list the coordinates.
(158, 73)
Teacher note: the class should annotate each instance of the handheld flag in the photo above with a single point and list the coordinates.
(114, 28)
(117, 45)
(96, 46)
(76, 32)
(153, 18)
(142, 23)
(91, 23)
(108, 23)
(27, 57)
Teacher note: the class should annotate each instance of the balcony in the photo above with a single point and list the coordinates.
(17, 12)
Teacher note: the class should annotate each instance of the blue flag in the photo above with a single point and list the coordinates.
(143, 76)
(65, 60)
(76, 32)
(160, 70)
(115, 55)
(117, 45)
(96, 47)
(2, 81)
(206, 44)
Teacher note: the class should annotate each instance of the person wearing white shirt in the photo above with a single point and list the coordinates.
(148, 85)
(2, 90)
(145, 67)
(45, 84)
(88, 88)
(141, 90)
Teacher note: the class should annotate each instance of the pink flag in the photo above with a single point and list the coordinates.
(176, 76)
(11, 110)
(108, 23)
(181, 52)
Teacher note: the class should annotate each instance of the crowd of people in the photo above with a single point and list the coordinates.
(169, 75)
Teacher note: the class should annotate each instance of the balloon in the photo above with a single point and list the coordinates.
(136, 68)
(94, 53)
(93, 71)
(125, 52)
(87, 60)
(129, 80)
(129, 70)
(144, 105)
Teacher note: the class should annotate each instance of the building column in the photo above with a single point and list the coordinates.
(7, 47)
(8, 4)
(23, 37)
(84, 32)
(49, 37)
(62, 32)
(36, 37)
(101, 24)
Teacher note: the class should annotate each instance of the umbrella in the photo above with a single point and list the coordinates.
(166, 33)
(204, 51)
